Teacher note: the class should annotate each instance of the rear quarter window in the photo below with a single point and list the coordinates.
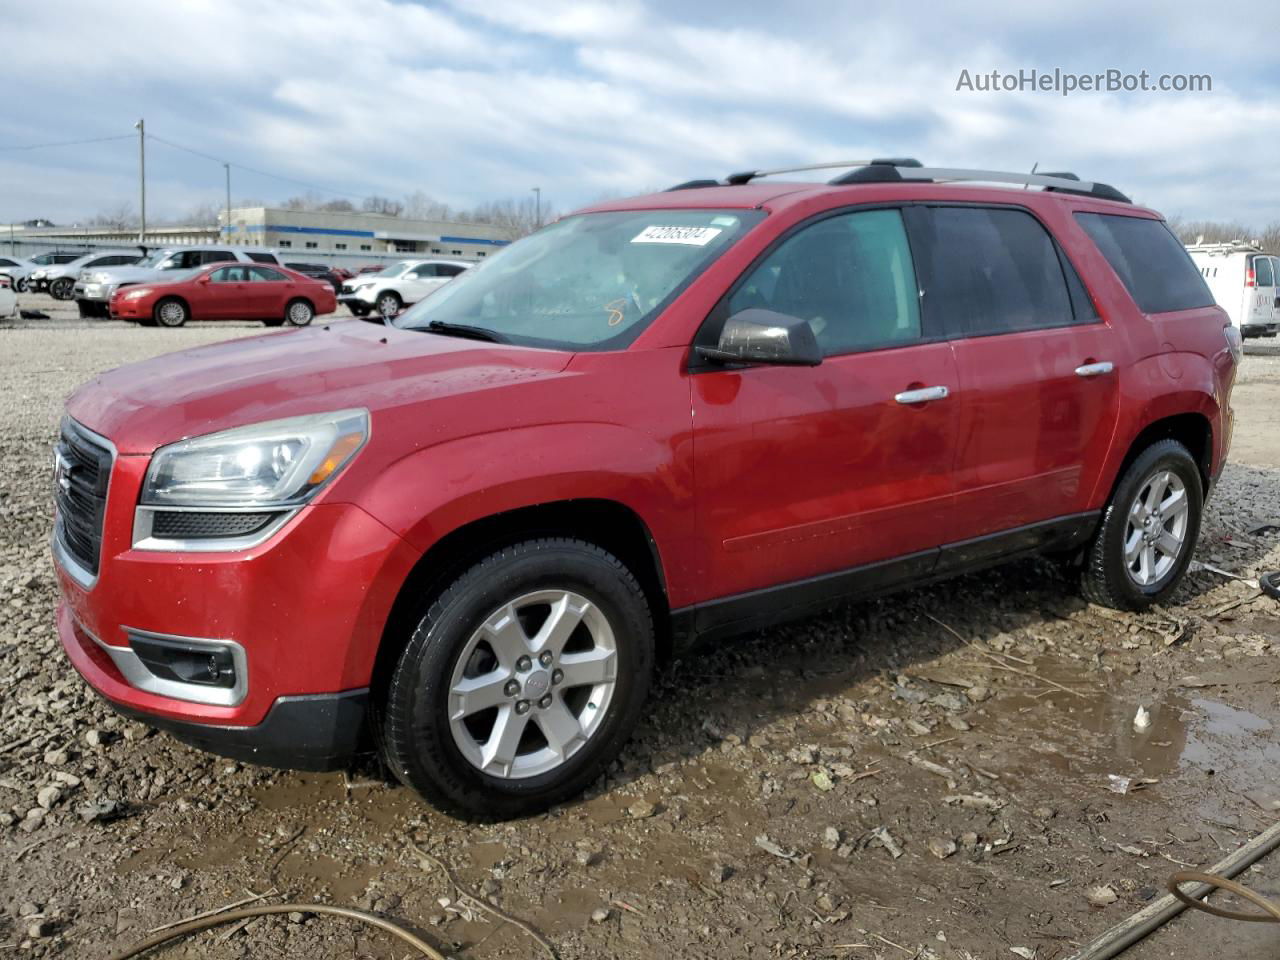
(1154, 267)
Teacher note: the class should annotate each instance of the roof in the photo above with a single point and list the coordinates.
(776, 196)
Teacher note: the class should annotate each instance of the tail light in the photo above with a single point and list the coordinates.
(1249, 280)
(4, 281)
(1235, 342)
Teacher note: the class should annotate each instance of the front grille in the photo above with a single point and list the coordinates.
(185, 525)
(81, 473)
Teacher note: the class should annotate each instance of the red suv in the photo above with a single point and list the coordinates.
(468, 534)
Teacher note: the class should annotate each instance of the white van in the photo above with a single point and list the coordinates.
(1245, 282)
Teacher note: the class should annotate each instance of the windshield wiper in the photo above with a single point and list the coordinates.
(462, 330)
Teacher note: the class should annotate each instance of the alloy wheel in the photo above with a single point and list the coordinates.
(532, 684)
(1156, 532)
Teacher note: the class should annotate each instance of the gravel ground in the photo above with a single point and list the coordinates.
(924, 776)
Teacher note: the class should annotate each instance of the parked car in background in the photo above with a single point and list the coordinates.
(94, 288)
(689, 414)
(17, 271)
(8, 298)
(41, 262)
(1245, 282)
(397, 285)
(342, 273)
(227, 291)
(60, 279)
(318, 271)
(369, 268)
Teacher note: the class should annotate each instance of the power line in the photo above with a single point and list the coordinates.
(261, 173)
(68, 143)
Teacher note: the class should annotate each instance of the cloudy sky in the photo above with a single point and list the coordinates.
(476, 101)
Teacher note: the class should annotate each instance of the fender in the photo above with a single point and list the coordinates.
(438, 489)
(1158, 387)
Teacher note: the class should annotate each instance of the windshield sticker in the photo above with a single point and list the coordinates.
(693, 236)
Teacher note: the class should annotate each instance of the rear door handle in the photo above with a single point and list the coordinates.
(1095, 369)
(923, 395)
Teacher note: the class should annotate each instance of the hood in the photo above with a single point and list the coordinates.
(131, 274)
(340, 365)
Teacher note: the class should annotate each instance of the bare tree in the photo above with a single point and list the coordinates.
(419, 206)
(119, 217)
(383, 205)
(517, 217)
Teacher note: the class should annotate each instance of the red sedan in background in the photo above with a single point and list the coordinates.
(227, 291)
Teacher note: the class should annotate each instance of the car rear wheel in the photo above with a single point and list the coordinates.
(1148, 530)
(62, 288)
(170, 313)
(299, 313)
(521, 682)
(20, 285)
(388, 303)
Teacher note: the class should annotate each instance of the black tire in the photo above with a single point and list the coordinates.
(63, 288)
(20, 285)
(273, 322)
(412, 716)
(358, 311)
(298, 313)
(1106, 578)
(170, 312)
(388, 303)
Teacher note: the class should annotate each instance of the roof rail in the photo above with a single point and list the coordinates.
(747, 176)
(1053, 182)
(899, 169)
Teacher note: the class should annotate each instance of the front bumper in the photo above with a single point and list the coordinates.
(307, 607)
(364, 295)
(97, 292)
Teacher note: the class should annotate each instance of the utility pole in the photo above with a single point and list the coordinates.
(227, 167)
(537, 206)
(141, 127)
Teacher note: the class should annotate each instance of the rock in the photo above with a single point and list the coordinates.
(599, 915)
(296, 917)
(887, 841)
(803, 755)
(969, 840)
(49, 796)
(822, 780)
(1044, 813)
(56, 758)
(103, 810)
(950, 702)
(587, 857)
(830, 838)
(40, 929)
(1102, 896)
(955, 723)
(942, 848)
(769, 846)
(721, 872)
(978, 693)
(95, 738)
(29, 908)
(641, 810)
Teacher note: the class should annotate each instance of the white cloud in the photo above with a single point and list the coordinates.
(470, 102)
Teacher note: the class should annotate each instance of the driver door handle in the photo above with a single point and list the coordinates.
(923, 395)
(1095, 369)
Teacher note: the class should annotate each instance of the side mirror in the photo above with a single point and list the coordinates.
(763, 336)
(204, 279)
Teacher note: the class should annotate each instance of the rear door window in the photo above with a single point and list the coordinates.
(266, 274)
(1262, 272)
(216, 256)
(990, 271)
(1154, 267)
(850, 276)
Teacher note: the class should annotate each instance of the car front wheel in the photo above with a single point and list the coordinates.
(62, 288)
(170, 313)
(1148, 530)
(299, 313)
(522, 680)
(388, 304)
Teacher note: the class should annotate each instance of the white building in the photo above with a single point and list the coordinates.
(338, 235)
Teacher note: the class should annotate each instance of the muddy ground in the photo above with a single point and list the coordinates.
(924, 776)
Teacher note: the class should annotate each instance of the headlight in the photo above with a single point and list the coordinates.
(1235, 342)
(38, 275)
(279, 463)
(137, 292)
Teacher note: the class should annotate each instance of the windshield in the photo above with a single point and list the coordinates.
(155, 259)
(391, 270)
(591, 282)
